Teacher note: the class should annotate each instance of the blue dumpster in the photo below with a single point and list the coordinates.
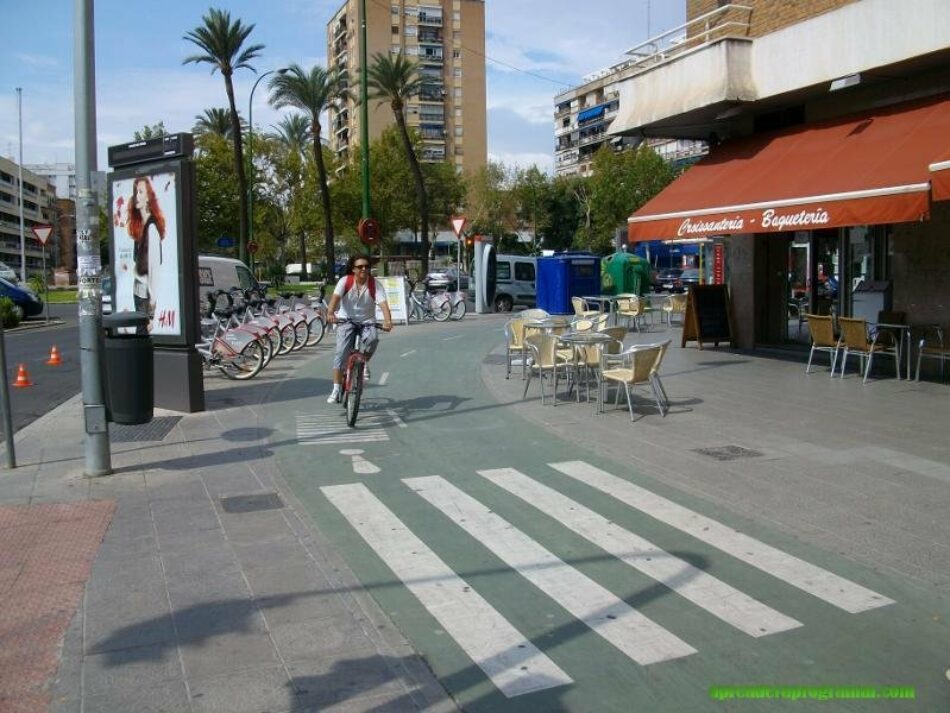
(566, 275)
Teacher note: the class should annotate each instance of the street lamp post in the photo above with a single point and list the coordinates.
(19, 105)
(250, 158)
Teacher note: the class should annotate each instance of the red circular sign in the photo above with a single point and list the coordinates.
(368, 230)
(252, 247)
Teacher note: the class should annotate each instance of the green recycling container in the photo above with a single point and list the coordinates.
(623, 273)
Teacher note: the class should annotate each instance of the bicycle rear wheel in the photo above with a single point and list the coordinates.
(355, 394)
(301, 335)
(317, 330)
(245, 365)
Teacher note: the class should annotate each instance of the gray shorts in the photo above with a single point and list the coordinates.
(346, 341)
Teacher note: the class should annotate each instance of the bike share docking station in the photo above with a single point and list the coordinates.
(154, 261)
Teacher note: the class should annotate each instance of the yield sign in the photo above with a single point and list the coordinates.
(42, 232)
(458, 225)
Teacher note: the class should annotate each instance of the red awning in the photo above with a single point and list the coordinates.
(940, 178)
(870, 168)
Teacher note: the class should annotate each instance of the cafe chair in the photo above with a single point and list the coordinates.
(637, 366)
(581, 308)
(823, 339)
(932, 346)
(534, 313)
(854, 340)
(630, 309)
(514, 345)
(588, 358)
(546, 359)
(675, 305)
(600, 321)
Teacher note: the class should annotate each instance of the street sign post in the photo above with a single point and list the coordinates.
(42, 233)
(252, 247)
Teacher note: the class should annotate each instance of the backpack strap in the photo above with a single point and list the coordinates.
(351, 279)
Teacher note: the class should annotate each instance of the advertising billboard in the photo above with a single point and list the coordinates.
(150, 253)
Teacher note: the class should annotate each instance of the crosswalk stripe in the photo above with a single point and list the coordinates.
(512, 662)
(320, 429)
(634, 634)
(715, 596)
(810, 578)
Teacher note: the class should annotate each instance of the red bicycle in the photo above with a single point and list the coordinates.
(355, 368)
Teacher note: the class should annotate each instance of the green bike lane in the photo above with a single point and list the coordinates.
(510, 560)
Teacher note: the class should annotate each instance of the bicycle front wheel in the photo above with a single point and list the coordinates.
(317, 330)
(355, 394)
(458, 310)
(441, 308)
(246, 364)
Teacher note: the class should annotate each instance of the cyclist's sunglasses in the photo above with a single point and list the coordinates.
(361, 267)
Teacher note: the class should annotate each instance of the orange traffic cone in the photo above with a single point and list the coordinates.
(22, 378)
(54, 359)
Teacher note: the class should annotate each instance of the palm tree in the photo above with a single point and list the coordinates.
(292, 132)
(215, 121)
(395, 78)
(293, 135)
(312, 92)
(222, 45)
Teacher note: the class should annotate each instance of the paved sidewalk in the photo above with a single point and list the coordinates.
(211, 590)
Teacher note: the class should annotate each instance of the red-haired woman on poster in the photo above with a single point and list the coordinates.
(146, 227)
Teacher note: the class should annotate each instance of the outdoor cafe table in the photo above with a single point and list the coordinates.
(606, 303)
(902, 332)
(577, 340)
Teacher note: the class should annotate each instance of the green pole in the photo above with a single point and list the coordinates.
(364, 111)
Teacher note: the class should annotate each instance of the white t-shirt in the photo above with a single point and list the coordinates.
(357, 303)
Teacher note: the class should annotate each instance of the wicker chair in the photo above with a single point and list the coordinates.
(932, 346)
(588, 358)
(675, 304)
(581, 308)
(823, 339)
(546, 358)
(514, 345)
(639, 365)
(854, 340)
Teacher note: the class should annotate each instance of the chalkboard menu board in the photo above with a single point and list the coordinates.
(708, 316)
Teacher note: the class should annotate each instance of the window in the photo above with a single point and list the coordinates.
(524, 271)
(245, 278)
(457, 92)
(456, 53)
(458, 112)
(457, 72)
(459, 151)
(395, 9)
(396, 49)
(503, 272)
(458, 130)
(456, 17)
(395, 29)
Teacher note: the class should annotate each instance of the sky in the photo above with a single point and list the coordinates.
(535, 49)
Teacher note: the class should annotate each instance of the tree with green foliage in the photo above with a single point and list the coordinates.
(530, 190)
(490, 205)
(216, 191)
(562, 213)
(155, 131)
(620, 183)
(395, 79)
(312, 92)
(293, 131)
(215, 121)
(221, 42)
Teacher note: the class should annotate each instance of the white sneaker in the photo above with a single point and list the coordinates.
(334, 397)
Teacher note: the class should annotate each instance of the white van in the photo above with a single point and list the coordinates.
(222, 273)
(515, 282)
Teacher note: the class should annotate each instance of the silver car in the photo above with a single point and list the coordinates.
(7, 272)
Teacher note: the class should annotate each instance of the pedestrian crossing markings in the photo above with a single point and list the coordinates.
(328, 429)
(507, 658)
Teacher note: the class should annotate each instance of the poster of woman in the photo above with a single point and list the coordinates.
(145, 263)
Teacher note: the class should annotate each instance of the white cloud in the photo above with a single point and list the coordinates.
(545, 162)
(37, 61)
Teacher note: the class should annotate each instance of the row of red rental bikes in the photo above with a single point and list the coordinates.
(242, 331)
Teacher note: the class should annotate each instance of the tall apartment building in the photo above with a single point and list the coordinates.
(38, 198)
(447, 37)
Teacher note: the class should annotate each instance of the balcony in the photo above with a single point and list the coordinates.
(339, 28)
(430, 36)
(426, 18)
(431, 117)
(433, 153)
(437, 95)
(433, 134)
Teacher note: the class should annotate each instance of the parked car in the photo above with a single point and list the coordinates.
(687, 279)
(24, 299)
(447, 278)
(666, 279)
(7, 272)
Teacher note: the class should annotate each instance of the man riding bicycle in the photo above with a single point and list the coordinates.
(356, 296)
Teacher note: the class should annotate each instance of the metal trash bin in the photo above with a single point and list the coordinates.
(129, 369)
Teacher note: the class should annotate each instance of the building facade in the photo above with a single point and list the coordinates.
(821, 181)
(448, 40)
(38, 209)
